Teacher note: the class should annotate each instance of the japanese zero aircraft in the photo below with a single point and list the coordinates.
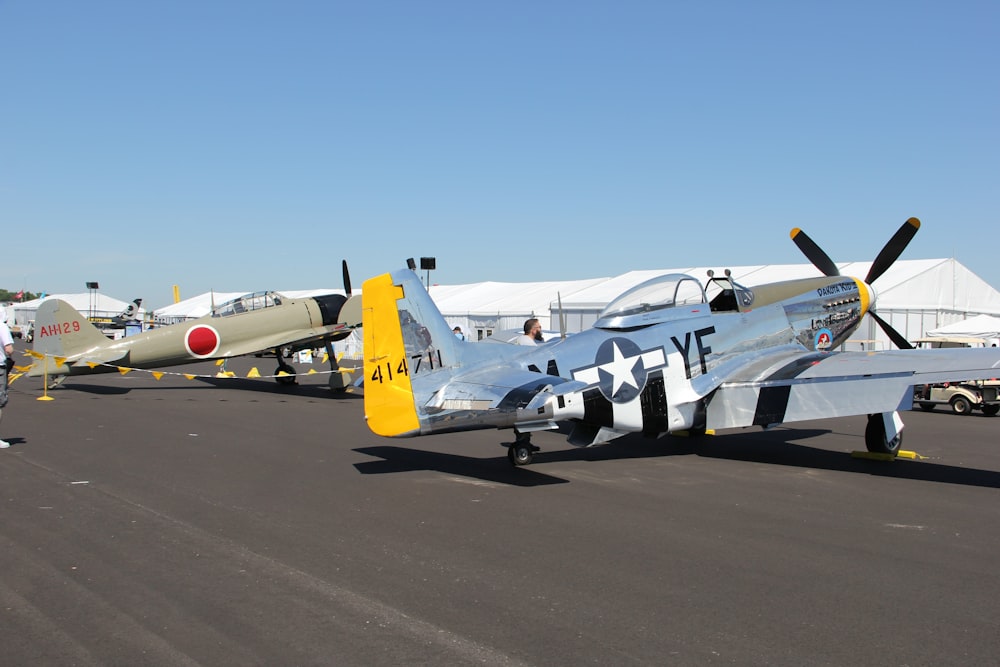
(668, 355)
(258, 322)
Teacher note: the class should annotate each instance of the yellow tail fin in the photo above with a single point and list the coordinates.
(389, 406)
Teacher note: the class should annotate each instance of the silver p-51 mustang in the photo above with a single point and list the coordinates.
(668, 355)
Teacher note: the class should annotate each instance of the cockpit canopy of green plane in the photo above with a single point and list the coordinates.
(247, 303)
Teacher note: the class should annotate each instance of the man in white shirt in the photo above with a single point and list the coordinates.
(7, 348)
(532, 333)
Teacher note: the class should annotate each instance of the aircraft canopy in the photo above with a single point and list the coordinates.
(647, 302)
(248, 302)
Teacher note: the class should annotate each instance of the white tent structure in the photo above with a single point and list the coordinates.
(986, 327)
(914, 296)
(483, 308)
(90, 304)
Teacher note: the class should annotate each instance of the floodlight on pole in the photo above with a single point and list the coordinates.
(428, 263)
(92, 286)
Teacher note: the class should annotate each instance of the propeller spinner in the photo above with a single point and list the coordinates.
(889, 254)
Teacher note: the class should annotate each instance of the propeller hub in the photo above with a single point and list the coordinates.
(872, 295)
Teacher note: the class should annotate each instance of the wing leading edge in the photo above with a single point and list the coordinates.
(812, 386)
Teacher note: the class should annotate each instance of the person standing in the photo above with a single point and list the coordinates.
(6, 363)
(458, 333)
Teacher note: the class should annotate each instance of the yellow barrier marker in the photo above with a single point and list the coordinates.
(158, 375)
(254, 373)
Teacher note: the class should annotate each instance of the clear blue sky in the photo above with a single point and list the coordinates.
(253, 145)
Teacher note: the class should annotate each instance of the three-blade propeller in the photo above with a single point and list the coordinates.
(889, 254)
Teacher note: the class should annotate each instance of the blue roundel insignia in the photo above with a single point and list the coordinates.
(823, 340)
(621, 373)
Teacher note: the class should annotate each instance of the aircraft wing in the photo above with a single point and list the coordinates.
(297, 340)
(810, 385)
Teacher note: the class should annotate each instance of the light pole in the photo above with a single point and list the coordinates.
(92, 286)
(428, 263)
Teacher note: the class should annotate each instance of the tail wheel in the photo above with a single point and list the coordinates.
(960, 405)
(875, 439)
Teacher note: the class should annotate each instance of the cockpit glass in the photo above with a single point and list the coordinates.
(658, 294)
(248, 302)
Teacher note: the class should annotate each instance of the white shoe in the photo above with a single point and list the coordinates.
(4, 444)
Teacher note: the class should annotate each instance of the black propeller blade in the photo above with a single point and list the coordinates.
(894, 336)
(893, 249)
(347, 280)
(814, 253)
(889, 254)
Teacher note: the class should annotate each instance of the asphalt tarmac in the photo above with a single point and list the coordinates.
(233, 522)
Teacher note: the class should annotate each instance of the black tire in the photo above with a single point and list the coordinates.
(960, 405)
(926, 407)
(519, 455)
(991, 410)
(285, 380)
(875, 437)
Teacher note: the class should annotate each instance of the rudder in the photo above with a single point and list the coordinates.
(61, 331)
(404, 337)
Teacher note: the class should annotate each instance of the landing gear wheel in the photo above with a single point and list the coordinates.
(926, 407)
(520, 455)
(284, 380)
(991, 410)
(875, 437)
(960, 405)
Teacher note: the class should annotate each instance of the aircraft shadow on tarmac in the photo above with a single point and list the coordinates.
(407, 459)
(248, 385)
(775, 447)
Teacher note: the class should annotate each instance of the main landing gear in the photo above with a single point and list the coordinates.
(521, 451)
(876, 438)
(283, 365)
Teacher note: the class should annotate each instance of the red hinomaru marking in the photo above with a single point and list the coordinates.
(202, 341)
